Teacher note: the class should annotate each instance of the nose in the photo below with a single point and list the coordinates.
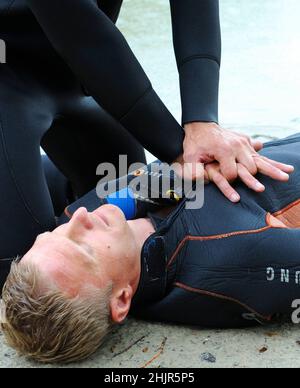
(81, 218)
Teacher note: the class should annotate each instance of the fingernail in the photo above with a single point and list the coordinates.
(235, 198)
(291, 167)
(284, 175)
(259, 186)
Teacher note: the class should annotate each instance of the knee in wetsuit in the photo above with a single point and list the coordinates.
(61, 195)
(59, 187)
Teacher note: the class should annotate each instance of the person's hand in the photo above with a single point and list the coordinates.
(236, 154)
(190, 171)
(266, 166)
(208, 142)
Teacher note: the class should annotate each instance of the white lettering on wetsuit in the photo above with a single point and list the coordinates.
(285, 276)
(2, 51)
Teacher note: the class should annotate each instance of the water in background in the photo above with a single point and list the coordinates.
(260, 83)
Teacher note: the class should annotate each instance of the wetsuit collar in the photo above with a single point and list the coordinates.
(153, 272)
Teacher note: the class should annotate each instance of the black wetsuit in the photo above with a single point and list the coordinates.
(224, 265)
(58, 52)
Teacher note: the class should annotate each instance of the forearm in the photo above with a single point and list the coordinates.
(111, 8)
(197, 43)
(99, 55)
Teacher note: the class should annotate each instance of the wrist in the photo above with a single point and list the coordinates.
(200, 126)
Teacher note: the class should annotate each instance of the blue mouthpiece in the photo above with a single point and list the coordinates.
(124, 200)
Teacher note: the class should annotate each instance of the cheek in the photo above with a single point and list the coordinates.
(111, 245)
(113, 248)
(126, 246)
(76, 278)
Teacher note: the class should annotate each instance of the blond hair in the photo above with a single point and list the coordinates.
(46, 325)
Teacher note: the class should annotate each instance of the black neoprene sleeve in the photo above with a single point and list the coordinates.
(99, 55)
(111, 8)
(197, 43)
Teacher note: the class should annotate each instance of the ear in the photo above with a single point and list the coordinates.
(120, 304)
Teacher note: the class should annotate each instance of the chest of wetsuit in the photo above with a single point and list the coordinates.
(227, 265)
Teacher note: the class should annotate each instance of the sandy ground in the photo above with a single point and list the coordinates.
(141, 344)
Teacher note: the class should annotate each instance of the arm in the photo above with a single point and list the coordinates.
(197, 43)
(111, 8)
(99, 55)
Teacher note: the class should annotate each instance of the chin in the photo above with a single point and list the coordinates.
(110, 213)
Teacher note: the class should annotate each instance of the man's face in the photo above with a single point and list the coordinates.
(91, 250)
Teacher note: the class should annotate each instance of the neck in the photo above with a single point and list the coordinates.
(142, 229)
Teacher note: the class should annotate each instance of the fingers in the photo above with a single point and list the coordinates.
(249, 179)
(215, 176)
(228, 167)
(257, 145)
(270, 170)
(194, 171)
(221, 182)
(240, 151)
(189, 171)
(247, 160)
(281, 166)
(206, 178)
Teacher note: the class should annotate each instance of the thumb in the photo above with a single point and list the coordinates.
(193, 171)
